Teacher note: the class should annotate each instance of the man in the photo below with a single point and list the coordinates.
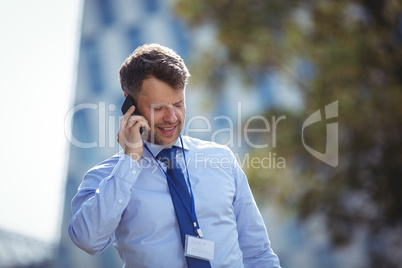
(154, 209)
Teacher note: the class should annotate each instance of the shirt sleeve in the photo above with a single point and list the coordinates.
(100, 202)
(253, 236)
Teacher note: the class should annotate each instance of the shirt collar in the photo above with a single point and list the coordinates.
(156, 148)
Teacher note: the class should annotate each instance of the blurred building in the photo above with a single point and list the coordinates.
(110, 31)
(18, 251)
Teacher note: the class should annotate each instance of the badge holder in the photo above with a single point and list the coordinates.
(199, 248)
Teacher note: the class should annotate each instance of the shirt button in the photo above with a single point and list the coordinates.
(120, 201)
(133, 171)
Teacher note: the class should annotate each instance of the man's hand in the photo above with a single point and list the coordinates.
(129, 136)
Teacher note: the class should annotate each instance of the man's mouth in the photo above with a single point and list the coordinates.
(168, 130)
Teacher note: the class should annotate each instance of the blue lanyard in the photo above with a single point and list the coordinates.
(191, 212)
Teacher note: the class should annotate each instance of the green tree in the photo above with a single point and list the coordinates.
(354, 50)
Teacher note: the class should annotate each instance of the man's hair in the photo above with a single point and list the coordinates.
(152, 60)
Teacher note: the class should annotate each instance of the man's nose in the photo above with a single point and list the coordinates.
(170, 115)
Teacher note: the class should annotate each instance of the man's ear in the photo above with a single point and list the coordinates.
(125, 94)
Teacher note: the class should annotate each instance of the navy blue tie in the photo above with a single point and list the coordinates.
(185, 224)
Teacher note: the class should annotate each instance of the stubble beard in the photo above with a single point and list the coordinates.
(158, 138)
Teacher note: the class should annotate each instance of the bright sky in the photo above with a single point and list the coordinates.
(38, 55)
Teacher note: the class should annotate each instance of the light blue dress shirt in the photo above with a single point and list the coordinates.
(127, 203)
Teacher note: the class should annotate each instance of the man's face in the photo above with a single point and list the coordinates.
(165, 110)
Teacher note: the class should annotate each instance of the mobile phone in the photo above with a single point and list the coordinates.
(128, 102)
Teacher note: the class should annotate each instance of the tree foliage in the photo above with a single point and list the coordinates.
(355, 51)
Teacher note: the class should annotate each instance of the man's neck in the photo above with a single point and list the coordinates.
(155, 145)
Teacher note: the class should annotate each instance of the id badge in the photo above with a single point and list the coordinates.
(199, 248)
